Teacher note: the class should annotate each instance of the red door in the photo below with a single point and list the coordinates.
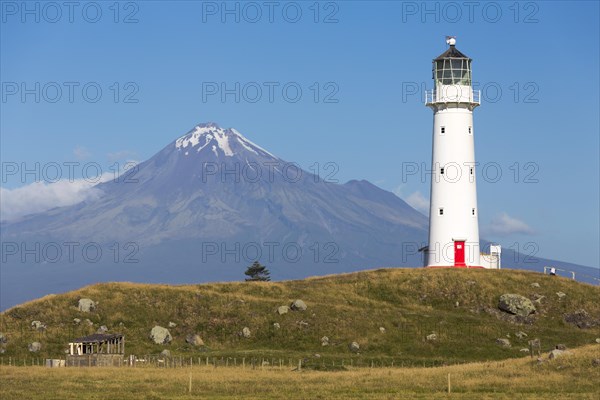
(459, 253)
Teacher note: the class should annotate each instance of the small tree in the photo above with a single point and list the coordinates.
(257, 272)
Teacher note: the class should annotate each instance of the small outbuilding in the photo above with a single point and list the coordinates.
(97, 350)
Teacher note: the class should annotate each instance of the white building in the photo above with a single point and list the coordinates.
(453, 214)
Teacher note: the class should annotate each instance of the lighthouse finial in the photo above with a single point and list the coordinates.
(451, 40)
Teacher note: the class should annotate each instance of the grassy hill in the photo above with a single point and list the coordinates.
(459, 306)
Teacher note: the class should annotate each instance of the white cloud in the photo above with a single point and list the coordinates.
(123, 155)
(81, 153)
(504, 225)
(416, 199)
(41, 196)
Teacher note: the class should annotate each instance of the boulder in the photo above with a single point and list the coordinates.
(246, 332)
(276, 325)
(103, 329)
(38, 326)
(298, 305)
(3, 338)
(560, 295)
(598, 340)
(503, 342)
(381, 329)
(581, 319)
(432, 338)
(86, 305)
(194, 339)
(165, 353)
(516, 304)
(324, 341)
(34, 347)
(535, 285)
(172, 324)
(524, 350)
(354, 347)
(556, 353)
(76, 321)
(521, 335)
(596, 362)
(282, 310)
(160, 335)
(303, 324)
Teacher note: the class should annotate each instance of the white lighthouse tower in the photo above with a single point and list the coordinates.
(453, 222)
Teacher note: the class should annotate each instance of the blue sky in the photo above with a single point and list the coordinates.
(537, 62)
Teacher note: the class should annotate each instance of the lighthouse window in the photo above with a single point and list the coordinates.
(470, 131)
(471, 170)
(442, 130)
(441, 211)
(473, 212)
(442, 171)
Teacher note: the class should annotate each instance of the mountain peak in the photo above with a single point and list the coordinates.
(212, 137)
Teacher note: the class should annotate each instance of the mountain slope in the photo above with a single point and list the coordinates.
(206, 206)
(459, 306)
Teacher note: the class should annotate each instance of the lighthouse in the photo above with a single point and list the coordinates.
(453, 214)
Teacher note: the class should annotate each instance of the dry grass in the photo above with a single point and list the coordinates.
(563, 378)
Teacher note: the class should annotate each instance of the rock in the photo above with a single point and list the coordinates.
(317, 355)
(37, 325)
(457, 304)
(165, 353)
(160, 335)
(303, 324)
(103, 329)
(558, 353)
(2, 350)
(432, 338)
(172, 324)
(596, 362)
(76, 321)
(86, 305)
(560, 295)
(282, 310)
(276, 325)
(516, 304)
(521, 335)
(246, 332)
(503, 342)
(354, 347)
(537, 298)
(535, 285)
(560, 347)
(194, 340)
(3, 338)
(298, 305)
(324, 341)
(581, 319)
(524, 350)
(381, 329)
(34, 347)
(88, 322)
(598, 340)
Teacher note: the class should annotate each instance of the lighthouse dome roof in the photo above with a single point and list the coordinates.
(452, 52)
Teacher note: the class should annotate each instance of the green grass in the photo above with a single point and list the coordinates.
(408, 303)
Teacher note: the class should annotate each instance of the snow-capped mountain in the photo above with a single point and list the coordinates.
(202, 209)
